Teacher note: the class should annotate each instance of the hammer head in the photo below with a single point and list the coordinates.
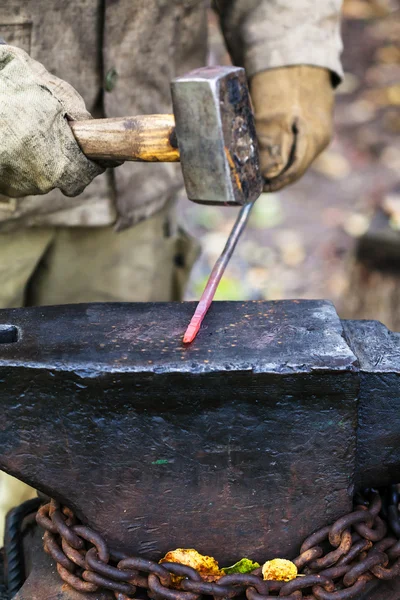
(216, 136)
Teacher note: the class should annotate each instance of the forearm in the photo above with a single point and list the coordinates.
(38, 151)
(266, 34)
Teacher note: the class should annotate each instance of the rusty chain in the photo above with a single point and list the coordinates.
(393, 513)
(335, 563)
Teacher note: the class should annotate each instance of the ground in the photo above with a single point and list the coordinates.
(298, 241)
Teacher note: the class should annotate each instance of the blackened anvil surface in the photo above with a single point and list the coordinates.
(241, 444)
(378, 447)
(270, 337)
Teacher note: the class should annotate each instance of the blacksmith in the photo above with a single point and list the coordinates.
(71, 231)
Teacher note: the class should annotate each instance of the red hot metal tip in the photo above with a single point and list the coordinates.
(201, 310)
(191, 332)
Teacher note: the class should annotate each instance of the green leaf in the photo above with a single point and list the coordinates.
(245, 565)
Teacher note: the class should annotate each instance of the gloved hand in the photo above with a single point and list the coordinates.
(293, 109)
(38, 151)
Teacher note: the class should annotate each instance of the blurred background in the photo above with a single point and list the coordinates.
(336, 233)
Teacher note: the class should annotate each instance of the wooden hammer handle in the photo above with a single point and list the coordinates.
(149, 138)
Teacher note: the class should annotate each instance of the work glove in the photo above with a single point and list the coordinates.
(38, 151)
(293, 109)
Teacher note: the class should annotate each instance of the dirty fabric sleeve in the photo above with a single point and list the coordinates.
(267, 34)
(38, 151)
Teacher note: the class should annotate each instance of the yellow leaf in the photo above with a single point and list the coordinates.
(207, 566)
(279, 569)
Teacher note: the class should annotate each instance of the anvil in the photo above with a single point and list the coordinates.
(241, 444)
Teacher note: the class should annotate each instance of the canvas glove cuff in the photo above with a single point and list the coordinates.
(38, 151)
(293, 109)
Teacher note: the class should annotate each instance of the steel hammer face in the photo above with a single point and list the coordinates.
(216, 136)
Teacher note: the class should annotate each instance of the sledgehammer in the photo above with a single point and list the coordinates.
(211, 132)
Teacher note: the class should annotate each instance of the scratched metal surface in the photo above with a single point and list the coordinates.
(286, 336)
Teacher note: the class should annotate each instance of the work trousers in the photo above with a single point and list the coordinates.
(150, 262)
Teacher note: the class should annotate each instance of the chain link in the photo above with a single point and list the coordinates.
(335, 563)
(393, 513)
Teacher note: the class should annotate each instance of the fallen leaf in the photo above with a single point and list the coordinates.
(242, 566)
(207, 566)
(279, 569)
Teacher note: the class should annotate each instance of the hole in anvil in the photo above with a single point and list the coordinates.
(8, 334)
